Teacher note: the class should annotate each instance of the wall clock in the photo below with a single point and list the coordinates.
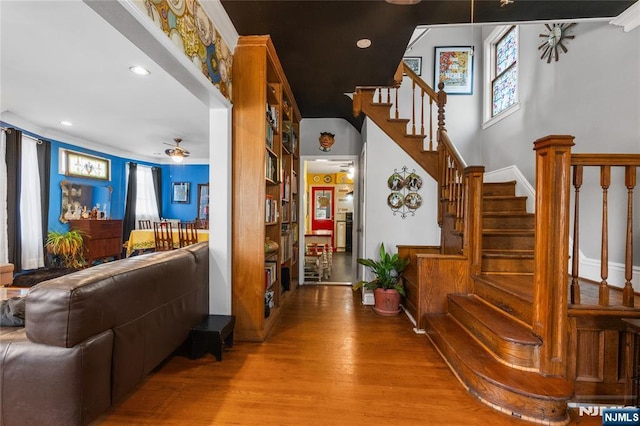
(554, 36)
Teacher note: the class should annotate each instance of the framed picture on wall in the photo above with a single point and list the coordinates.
(454, 67)
(180, 192)
(415, 63)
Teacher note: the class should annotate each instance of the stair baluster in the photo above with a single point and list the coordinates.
(630, 182)
(575, 260)
(605, 182)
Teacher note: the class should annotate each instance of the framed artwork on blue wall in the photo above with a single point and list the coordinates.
(180, 192)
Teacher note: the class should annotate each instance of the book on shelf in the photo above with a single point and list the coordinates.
(273, 116)
(270, 270)
(271, 167)
(271, 210)
(269, 135)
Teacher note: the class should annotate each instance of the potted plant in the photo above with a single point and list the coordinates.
(66, 248)
(387, 285)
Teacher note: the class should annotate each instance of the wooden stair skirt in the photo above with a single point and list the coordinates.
(494, 357)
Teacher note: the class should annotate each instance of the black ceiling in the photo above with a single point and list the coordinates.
(316, 40)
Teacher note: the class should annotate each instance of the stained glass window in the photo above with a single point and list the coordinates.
(505, 75)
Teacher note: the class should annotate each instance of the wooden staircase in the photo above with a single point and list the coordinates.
(485, 335)
(493, 297)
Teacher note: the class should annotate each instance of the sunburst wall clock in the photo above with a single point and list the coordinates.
(554, 37)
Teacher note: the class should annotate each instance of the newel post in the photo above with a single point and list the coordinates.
(472, 237)
(551, 272)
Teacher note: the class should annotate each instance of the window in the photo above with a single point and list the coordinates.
(146, 205)
(501, 71)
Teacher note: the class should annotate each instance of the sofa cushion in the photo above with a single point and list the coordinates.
(12, 312)
(69, 309)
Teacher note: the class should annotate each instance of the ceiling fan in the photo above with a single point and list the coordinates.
(177, 153)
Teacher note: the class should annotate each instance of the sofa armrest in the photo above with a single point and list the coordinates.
(42, 384)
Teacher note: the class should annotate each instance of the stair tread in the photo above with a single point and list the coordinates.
(519, 285)
(510, 231)
(485, 365)
(504, 197)
(506, 213)
(398, 120)
(495, 320)
(514, 254)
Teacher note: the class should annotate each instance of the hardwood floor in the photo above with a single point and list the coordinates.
(328, 361)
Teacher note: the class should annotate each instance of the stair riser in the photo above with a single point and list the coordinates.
(504, 205)
(508, 242)
(543, 410)
(508, 222)
(499, 188)
(505, 301)
(507, 265)
(511, 353)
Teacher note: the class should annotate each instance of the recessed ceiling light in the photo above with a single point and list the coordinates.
(403, 2)
(66, 123)
(140, 70)
(363, 43)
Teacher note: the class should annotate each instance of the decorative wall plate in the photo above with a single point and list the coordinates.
(413, 182)
(395, 200)
(395, 182)
(413, 200)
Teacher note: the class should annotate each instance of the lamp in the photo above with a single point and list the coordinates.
(177, 156)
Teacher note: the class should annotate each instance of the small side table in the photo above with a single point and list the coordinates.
(212, 334)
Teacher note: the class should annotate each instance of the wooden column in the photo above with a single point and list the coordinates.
(553, 162)
(472, 242)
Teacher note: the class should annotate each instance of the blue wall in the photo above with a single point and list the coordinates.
(172, 173)
(194, 174)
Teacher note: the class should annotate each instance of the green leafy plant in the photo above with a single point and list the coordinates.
(67, 248)
(388, 272)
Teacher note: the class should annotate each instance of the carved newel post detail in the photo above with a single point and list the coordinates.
(553, 171)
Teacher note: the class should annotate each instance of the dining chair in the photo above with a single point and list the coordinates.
(202, 223)
(163, 235)
(144, 224)
(187, 233)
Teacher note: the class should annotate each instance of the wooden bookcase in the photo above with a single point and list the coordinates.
(265, 166)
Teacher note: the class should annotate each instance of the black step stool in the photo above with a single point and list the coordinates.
(212, 334)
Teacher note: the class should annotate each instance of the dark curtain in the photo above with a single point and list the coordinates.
(14, 167)
(129, 223)
(44, 168)
(156, 172)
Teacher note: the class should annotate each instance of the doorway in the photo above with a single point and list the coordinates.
(327, 230)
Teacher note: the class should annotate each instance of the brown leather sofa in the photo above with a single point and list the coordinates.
(91, 337)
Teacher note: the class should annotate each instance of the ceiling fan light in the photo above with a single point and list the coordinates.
(403, 2)
(177, 157)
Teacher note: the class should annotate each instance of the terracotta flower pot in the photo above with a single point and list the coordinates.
(387, 301)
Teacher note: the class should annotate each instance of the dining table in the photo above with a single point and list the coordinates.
(144, 239)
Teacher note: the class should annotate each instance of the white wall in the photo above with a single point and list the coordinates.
(463, 113)
(592, 93)
(383, 156)
(347, 139)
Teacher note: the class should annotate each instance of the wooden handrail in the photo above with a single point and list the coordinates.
(605, 159)
(404, 69)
